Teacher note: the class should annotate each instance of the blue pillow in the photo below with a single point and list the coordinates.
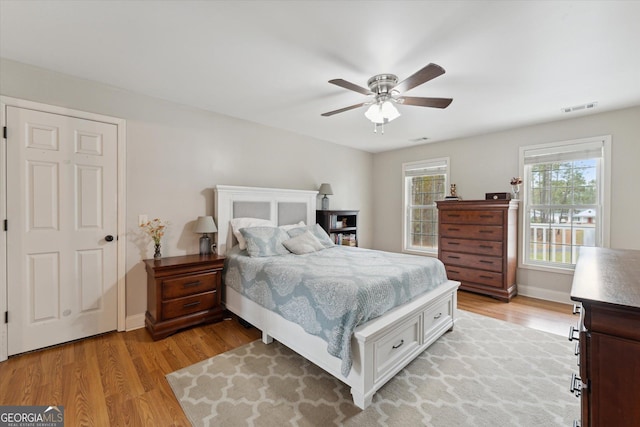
(265, 241)
(317, 231)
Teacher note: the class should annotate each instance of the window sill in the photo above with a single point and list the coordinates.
(423, 253)
(547, 268)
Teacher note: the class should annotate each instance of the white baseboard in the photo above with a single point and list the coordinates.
(545, 294)
(134, 322)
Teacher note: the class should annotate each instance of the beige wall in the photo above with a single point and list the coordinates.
(483, 164)
(175, 156)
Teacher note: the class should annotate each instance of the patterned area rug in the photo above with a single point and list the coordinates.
(485, 372)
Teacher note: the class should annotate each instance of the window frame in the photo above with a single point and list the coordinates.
(440, 162)
(603, 201)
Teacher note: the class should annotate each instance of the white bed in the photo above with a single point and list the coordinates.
(380, 347)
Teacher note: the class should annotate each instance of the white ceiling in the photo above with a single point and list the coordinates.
(508, 63)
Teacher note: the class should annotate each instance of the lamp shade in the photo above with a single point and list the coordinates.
(325, 189)
(205, 224)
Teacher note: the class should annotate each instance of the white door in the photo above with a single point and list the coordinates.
(62, 225)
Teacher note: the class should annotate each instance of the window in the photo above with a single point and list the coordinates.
(565, 200)
(424, 183)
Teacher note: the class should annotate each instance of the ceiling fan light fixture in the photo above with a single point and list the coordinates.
(380, 113)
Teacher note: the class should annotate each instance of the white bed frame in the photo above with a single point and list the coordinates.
(380, 347)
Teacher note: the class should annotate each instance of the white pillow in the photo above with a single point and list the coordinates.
(290, 226)
(304, 243)
(238, 223)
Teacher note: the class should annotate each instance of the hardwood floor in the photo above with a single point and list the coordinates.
(118, 379)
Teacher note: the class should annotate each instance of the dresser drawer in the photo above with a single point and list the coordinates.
(462, 274)
(481, 262)
(469, 246)
(471, 217)
(484, 232)
(192, 284)
(396, 344)
(187, 305)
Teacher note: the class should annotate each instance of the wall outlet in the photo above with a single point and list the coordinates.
(142, 218)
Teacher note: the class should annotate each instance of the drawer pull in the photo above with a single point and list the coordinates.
(486, 246)
(191, 284)
(486, 262)
(487, 231)
(454, 229)
(577, 309)
(572, 334)
(486, 277)
(576, 423)
(191, 304)
(577, 351)
(454, 271)
(454, 215)
(454, 257)
(453, 243)
(437, 316)
(398, 345)
(576, 385)
(486, 216)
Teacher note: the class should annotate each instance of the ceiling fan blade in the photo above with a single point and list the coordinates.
(351, 86)
(342, 110)
(427, 73)
(425, 102)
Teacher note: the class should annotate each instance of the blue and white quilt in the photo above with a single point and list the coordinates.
(332, 291)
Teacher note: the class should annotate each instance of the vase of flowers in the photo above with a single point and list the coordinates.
(155, 228)
(516, 182)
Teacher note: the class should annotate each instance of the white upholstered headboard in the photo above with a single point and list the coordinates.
(281, 206)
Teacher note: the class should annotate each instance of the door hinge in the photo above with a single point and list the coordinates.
(6, 225)
(6, 317)
(4, 132)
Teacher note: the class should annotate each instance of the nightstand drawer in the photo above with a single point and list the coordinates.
(480, 262)
(189, 285)
(484, 232)
(480, 247)
(472, 217)
(193, 304)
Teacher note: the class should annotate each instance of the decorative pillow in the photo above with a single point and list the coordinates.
(317, 231)
(265, 241)
(304, 243)
(290, 226)
(239, 223)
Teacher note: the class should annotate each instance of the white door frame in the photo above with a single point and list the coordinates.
(5, 102)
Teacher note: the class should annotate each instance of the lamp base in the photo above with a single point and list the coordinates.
(325, 203)
(205, 245)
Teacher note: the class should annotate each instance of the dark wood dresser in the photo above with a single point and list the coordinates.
(606, 284)
(478, 245)
(182, 291)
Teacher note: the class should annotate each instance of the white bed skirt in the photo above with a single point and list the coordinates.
(380, 348)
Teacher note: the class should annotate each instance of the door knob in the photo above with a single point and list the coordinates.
(108, 238)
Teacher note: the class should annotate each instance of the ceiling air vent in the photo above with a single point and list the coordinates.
(421, 139)
(587, 106)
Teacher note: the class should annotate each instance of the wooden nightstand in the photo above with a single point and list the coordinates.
(182, 291)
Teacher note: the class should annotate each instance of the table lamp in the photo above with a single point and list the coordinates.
(325, 189)
(204, 225)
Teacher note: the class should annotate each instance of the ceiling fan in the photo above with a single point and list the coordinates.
(386, 91)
